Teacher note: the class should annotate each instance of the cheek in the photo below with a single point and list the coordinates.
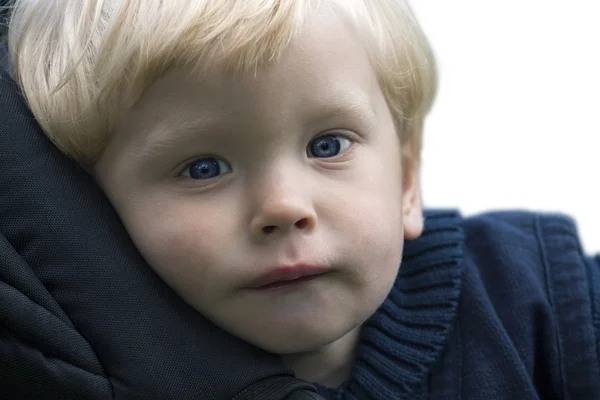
(184, 246)
(374, 210)
(367, 220)
(374, 201)
(377, 223)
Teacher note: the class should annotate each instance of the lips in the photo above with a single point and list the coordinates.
(287, 274)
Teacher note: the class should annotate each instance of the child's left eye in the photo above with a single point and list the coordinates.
(328, 146)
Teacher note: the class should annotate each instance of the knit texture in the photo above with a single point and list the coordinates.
(401, 342)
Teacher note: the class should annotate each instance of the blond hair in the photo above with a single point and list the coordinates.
(81, 63)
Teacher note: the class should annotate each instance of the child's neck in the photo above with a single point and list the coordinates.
(330, 365)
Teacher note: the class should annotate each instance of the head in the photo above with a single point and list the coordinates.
(234, 138)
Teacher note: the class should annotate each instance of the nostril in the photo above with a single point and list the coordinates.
(301, 224)
(268, 229)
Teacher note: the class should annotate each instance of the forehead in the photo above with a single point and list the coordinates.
(328, 54)
(326, 66)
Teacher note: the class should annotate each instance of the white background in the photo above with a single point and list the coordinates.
(516, 124)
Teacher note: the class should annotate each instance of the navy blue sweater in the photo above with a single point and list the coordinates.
(499, 306)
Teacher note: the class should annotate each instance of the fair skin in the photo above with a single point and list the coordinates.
(281, 196)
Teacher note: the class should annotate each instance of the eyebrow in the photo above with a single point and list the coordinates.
(161, 138)
(348, 104)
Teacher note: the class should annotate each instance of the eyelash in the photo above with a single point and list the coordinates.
(351, 137)
(187, 165)
(320, 148)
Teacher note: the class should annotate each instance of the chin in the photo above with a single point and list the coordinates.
(297, 339)
(293, 345)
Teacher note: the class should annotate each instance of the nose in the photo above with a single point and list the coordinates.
(282, 213)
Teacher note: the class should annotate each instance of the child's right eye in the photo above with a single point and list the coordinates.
(206, 168)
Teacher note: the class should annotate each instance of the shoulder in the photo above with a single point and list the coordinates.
(522, 227)
(543, 246)
(530, 269)
(529, 252)
(540, 249)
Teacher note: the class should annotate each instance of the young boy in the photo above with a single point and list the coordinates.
(264, 157)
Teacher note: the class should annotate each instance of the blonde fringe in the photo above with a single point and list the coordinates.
(81, 63)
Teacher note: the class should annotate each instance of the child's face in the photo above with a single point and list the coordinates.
(296, 164)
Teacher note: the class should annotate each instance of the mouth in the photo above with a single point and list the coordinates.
(287, 276)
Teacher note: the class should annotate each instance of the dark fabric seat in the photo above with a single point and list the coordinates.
(82, 316)
(3, 31)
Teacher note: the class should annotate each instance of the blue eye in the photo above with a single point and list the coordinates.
(328, 146)
(206, 168)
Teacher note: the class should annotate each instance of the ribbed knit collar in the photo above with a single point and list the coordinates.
(402, 341)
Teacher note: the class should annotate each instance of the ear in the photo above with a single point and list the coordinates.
(412, 205)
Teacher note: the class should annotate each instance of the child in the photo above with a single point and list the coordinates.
(264, 157)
